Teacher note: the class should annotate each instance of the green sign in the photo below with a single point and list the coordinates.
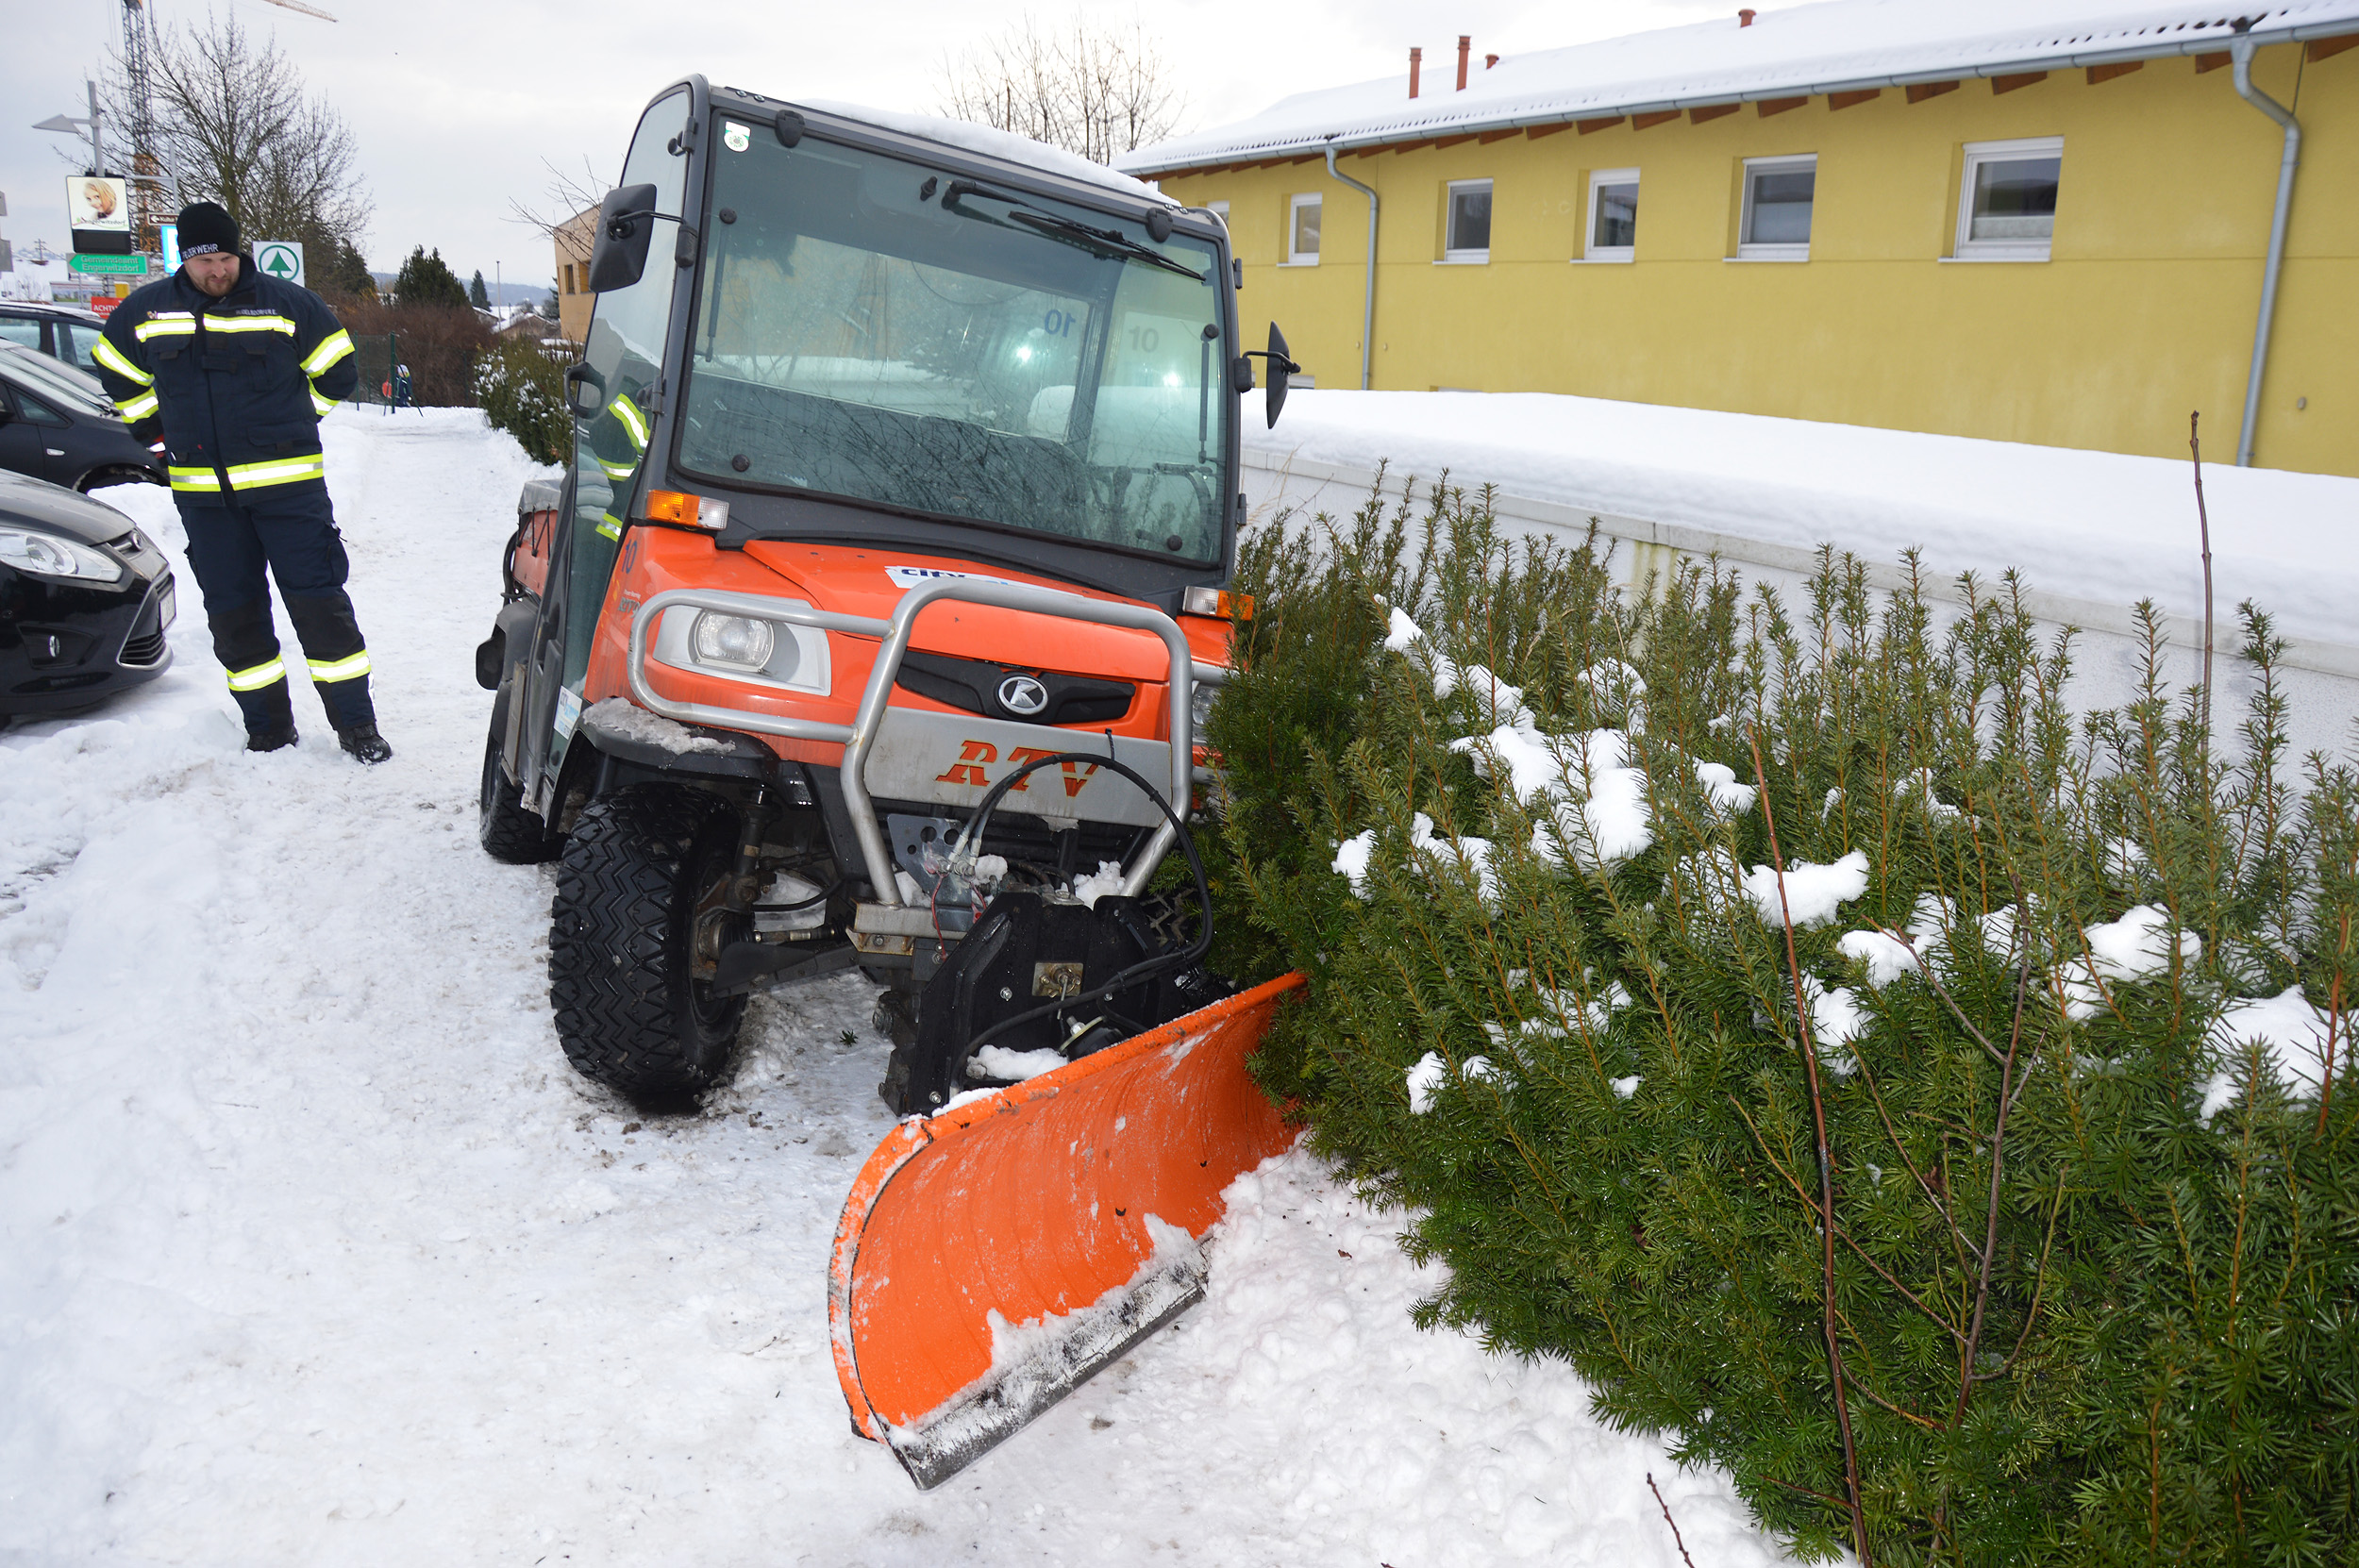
(280, 259)
(135, 266)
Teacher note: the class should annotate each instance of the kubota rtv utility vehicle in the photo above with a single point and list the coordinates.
(881, 605)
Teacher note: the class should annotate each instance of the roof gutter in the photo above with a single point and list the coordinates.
(2210, 42)
(2240, 52)
(1367, 310)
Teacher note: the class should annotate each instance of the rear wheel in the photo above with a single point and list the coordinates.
(631, 1012)
(507, 832)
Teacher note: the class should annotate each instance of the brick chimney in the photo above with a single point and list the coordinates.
(1465, 46)
(1489, 60)
(1414, 56)
(1745, 18)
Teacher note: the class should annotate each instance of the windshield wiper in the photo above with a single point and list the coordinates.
(1105, 241)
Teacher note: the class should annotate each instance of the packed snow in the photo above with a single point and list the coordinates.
(2100, 526)
(315, 1251)
(634, 723)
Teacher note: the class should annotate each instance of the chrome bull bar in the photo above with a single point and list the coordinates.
(859, 737)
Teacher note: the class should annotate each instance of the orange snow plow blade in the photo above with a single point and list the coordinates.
(992, 1257)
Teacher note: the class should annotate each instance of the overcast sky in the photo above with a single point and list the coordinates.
(456, 105)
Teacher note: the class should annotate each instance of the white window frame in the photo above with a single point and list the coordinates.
(1966, 247)
(1295, 203)
(1590, 249)
(1469, 257)
(1748, 251)
(1220, 211)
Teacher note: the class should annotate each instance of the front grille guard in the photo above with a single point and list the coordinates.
(857, 737)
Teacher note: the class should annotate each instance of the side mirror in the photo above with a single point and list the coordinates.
(625, 226)
(582, 394)
(1281, 365)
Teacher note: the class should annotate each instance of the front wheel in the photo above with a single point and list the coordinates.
(509, 833)
(631, 1012)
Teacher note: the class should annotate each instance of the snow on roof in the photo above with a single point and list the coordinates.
(1005, 145)
(1833, 46)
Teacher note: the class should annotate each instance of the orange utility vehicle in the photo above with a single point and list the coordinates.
(872, 626)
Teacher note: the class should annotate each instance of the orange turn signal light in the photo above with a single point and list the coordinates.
(1220, 602)
(689, 512)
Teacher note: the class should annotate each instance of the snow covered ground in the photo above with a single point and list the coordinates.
(311, 1249)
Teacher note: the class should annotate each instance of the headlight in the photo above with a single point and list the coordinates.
(733, 641)
(49, 556)
(1200, 698)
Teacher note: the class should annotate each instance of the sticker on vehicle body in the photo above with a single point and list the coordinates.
(568, 713)
(734, 136)
(952, 759)
(918, 576)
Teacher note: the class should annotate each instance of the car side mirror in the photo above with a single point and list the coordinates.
(618, 258)
(582, 393)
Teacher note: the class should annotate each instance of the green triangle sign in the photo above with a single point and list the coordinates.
(278, 264)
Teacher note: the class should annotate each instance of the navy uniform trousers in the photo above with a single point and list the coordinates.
(291, 531)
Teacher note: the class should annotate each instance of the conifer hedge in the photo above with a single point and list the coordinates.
(2089, 1288)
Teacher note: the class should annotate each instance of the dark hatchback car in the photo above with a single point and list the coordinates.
(85, 598)
(57, 424)
(61, 331)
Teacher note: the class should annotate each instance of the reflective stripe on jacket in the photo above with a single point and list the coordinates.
(236, 385)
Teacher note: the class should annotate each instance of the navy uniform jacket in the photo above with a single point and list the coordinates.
(237, 384)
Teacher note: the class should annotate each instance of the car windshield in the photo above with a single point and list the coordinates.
(873, 329)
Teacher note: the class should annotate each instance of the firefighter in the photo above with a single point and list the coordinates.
(234, 370)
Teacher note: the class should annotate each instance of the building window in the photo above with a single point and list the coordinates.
(1779, 192)
(2007, 200)
(1469, 237)
(1613, 234)
(568, 271)
(1302, 231)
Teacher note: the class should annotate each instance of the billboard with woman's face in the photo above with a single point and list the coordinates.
(99, 206)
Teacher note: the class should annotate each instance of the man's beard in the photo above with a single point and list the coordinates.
(216, 287)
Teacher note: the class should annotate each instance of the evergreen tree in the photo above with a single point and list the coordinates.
(426, 279)
(477, 295)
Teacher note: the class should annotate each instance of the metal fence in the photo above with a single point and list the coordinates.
(384, 383)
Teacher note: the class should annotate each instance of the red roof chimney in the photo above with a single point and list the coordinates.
(1414, 56)
(1744, 19)
(1466, 44)
(1489, 60)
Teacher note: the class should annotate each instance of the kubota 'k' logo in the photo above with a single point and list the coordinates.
(1023, 694)
(972, 754)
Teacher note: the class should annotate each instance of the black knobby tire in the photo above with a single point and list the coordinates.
(629, 1013)
(507, 832)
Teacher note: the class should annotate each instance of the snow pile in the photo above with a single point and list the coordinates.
(1810, 894)
(1010, 1066)
(617, 716)
(1089, 889)
(2295, 1039)
(290, 1279)
(1005, 145)
(2136, 947)
(1886, 957)
(2091, 521)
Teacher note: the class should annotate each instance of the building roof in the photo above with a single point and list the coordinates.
(1840, 45)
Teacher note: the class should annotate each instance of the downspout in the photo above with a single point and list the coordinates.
(1367, 315)
(2240, 50)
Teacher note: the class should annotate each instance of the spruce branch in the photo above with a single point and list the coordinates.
(1826, 1166)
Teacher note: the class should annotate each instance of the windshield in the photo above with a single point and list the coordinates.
(873, 329)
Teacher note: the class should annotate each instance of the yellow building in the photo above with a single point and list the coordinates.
(2044, 222)
(573, 238)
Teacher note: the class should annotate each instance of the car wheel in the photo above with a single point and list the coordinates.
(631, 1012)
(99, 478)
(507, 832)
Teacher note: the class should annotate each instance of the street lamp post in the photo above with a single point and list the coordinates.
(67, 125)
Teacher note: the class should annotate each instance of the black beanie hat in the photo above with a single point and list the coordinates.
(207, 228)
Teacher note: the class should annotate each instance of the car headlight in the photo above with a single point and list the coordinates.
(43, 555)
(733, 641)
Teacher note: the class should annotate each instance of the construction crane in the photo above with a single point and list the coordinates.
(153, 198)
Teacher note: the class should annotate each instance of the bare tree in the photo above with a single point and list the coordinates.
(564, 199)
(1091, 89)
(232, 123)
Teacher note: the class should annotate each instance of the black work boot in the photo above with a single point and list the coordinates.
(365, 743)
(277, 738)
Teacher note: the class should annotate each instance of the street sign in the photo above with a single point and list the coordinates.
(135, 265)
(280, 259)
(104, 305)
